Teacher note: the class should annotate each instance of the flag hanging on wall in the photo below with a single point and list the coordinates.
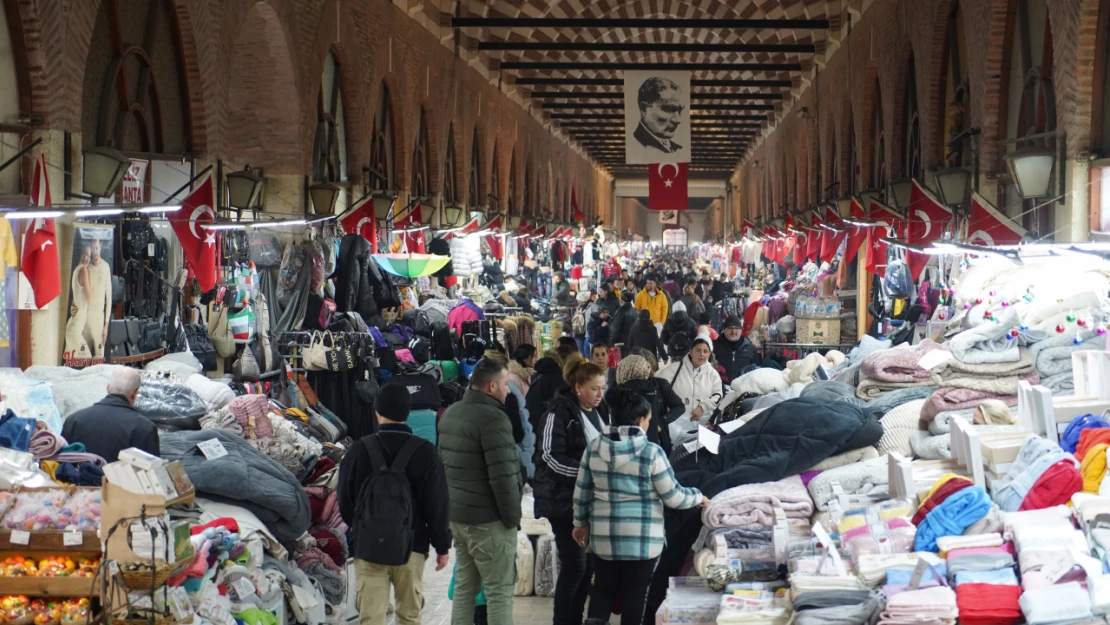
(888, 224)
(928, 220)
(197, 242)
(667, 188)
(361, 221)
(987, 226)
(40, 245)
(856, 234)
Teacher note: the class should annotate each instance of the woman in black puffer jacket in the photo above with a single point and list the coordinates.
(575, 417)
(644, 336)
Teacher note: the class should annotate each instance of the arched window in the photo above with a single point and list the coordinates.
(494, 179)
(954, 102)
(450, 190)
(381, 145)
(879, 169)
(329, 151)
(853, 158)
(510, 203)
(421, 156)
(1031, 104)
(474, 191)
(526, 205)
(911, 127)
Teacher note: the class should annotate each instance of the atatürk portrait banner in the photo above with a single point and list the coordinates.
(656, 117)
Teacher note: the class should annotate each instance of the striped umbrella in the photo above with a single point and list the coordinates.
(411, 265)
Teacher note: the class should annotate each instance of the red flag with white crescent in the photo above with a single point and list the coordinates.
(197, 242)
(856, 234)
(40, 245)
(830, 243)
(928, 219)
(889, 224)
(361, 221)
(667, 187)
(987, 226)
(579, 216)
(801, 241)
(832, 217)
(790, 222)
(410, 242)
(494, 240)
(746, 227)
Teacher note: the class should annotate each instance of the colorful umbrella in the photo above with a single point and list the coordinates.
(411, 265)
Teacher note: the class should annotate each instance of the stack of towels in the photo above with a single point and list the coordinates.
(987, 589)
(952, 506)
(925, 606)
(1042, 476)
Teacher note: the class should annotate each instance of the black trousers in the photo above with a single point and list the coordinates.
(628, 579)
(575, 570)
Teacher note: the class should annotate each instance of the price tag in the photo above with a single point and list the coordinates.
(1057, 568)
(212, 449)
(180, 604)
(918, 573)
(73, 539)
(20, 537)
(934, 359)
(150, 250)
(243, 587)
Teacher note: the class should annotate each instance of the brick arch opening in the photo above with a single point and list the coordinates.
(264, 120)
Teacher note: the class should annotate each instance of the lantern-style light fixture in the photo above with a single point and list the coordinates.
(870, 195)
(452, 216)
(324, 195)
(427, 212)
(383, 205)
(103, 170)
(513, 223)
(898, 193)
(951, 185)
(1031, 169)
(244, 189)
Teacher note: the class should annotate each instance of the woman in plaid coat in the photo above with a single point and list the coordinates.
(623, 483)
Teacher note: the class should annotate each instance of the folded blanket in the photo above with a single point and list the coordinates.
(899, 425)
(921, 607)
(873, 568)
(980, 562)
(1057, 603)
(899, 364)
(872, 388)
(955, 369)
(895, 535)
(951, 398)
(753, 504)
(988, 342)
(968, 541)
(1053, 355)
(989, 604)
(1000, 384)
(929, 447)
(761, 381)
(860, 478)
(1061, 385)
(853, 614)
(846, 458)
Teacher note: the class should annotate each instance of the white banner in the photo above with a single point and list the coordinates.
(656, 117)
(132, 190)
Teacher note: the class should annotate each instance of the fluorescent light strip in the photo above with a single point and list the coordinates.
(225, 226)
(98, 212)
(276, 224)
(32, 214)
(157, 209)
(408, 230)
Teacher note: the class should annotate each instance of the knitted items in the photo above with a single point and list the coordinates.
(952, 517)
(633, 367)
(989, 604)
(250, 412)
(1055, 486)
(221, 419)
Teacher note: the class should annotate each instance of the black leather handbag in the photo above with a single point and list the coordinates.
(117, 339)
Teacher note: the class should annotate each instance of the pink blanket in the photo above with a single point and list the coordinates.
(953, 398)
(899, 364)
(754, 504)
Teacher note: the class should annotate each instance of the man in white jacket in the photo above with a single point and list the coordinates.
(696, 381)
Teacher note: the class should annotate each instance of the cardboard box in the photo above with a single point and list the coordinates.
(817, 331)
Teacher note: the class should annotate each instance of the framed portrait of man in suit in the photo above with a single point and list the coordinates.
(656, 117)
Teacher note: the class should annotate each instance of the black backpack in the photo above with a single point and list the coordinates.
(679, 346)
(383, 523)
(443, 344)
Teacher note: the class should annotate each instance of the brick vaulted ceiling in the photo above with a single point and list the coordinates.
(566, 60)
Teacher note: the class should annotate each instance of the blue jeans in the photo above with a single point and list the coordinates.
(544, 288)
(583, 346)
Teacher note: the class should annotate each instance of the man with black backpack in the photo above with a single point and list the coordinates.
(393, 495)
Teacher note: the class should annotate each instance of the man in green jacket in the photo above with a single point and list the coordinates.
(483, 482)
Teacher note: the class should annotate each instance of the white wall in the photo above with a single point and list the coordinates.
(693, 221)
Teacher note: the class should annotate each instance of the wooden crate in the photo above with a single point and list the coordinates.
(817, 331)
(51, 586)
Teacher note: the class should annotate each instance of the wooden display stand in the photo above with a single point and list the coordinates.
(117, 503)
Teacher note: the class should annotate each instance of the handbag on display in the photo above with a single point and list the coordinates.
(315, 356)
(117, 339)
(219, 329)
(340, 358)
(246, 366)
(242, 323)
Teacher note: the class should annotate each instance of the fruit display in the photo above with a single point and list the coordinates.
(18, 566)
(46, 611)
(75, 611)
(80, 513)
(21, 610)
(15, 610)
(64, 566)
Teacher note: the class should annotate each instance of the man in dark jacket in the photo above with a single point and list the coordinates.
(625, 316)
(429, 510)
(112, 424)
(562, 295)
(484, 486)
(679, 321)
(598, 328)
(644, 336)
(608, 299)
(733, 350)
(548, 381)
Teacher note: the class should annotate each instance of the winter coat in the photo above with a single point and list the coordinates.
(425, 474)
(734, 356)
(481, 461)
(521, 376)
(110, 426)
(526, 441)
(612, 302)
(701, 386)
(657, 305)
(623, 483)
(678, 322)
(359, 285)
(562, 296)
(644, 336)
(562, 442)
(666, 406)
(598, 333)
(695, 306)
(548, 381)
(620, 328)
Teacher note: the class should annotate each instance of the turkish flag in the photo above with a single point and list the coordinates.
(856, 234)
(746, 227)
(928, 219)
(889, 224)
(790, 222)
(667, 187)
(832, 217)
(40, 245)
(197, 242)
(410, 242)
(801, 241)
(578, 215)
(788, 246)
(494, 240)
(361, 221)
(987, 226)
(830, 243)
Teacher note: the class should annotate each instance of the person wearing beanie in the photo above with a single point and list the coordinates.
(695, 380)
(994, 412)
(679, 321)
(733, 350)
(431, 516)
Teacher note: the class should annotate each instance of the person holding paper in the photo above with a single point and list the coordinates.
(623, 483)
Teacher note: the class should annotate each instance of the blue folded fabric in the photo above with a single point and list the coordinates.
(901, 577)
(16, 432)
(954, 515)
(1070, 439)
(1005, 577)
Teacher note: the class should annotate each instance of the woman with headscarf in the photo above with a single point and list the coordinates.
(696, 381)
(635, 373)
